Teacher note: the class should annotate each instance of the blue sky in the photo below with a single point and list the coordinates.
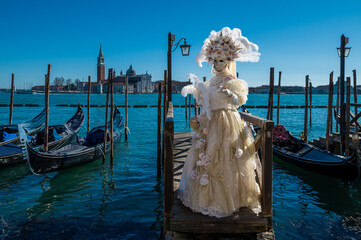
(295, 37)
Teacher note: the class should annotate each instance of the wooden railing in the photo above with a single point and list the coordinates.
(264, 139)
(168, 165)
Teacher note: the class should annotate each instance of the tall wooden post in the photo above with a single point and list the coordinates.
(159, 149)
(171, 38)
(355, 90)
(46, 130)
(195, 108)
(12, 99)
(111, 116)
(310, 102)
(126, 109)
(342, 93)
(278, 97)
(337, 103)
(190, 103)
(306, 109)
(165, 100)
(329, 110)
(185, 106)
(106, 115)
(347, 132)
(270, 99)
(89, 89)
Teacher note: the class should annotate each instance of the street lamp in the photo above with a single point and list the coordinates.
(343, 52)
(347, 51)
(185, 48)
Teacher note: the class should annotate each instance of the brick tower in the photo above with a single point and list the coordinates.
(100, 66)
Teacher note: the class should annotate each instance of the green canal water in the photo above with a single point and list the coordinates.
(124, 201)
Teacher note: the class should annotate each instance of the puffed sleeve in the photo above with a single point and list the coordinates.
(238, 87)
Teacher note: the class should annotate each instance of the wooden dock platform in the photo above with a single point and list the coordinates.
(180, 222)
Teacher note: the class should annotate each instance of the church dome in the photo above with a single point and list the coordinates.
(131, 71)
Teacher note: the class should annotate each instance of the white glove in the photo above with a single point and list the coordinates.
(230, 94)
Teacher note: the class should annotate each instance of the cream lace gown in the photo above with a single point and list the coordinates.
(219, 173)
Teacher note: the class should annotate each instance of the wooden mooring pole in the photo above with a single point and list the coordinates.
(165, 100)
(270, 99)
(111, 116)
(106, 115)
(337, 103)
(185, 107)
(306, 109)
(347, 132)
(329, 111)
(310, 102)
(190, 103)
(278, 97)
(46, 129)
(12, 99)
(159, 148)
(354, 90)
(126, 109)
(88, 117)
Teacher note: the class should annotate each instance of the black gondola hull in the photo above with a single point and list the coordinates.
(73, 154)
(344, 169)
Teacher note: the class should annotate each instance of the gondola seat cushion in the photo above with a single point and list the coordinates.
(8, 136)
(95, 138)
(280, 134)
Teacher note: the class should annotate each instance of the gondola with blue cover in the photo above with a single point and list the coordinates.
(288, 148)
(85, 150)
(59, 135)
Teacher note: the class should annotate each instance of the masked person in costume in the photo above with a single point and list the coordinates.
(219, 173)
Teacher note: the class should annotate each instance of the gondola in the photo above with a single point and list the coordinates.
(59, 135)
(9, 133)
(288, 148)
(85, 150)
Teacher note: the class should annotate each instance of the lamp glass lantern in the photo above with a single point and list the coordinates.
(347, 51)
(185, 49)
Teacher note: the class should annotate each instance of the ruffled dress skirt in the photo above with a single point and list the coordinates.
(219, 173)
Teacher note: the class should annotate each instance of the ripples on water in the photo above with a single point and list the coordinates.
(93, 201)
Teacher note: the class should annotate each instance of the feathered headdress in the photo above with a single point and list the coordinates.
(228, 44)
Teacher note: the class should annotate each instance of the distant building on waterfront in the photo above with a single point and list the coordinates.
(100, 66)
(137, 83)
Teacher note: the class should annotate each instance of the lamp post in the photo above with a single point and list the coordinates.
(343, 52)
(185, 52)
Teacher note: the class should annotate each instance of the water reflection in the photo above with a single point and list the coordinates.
(108, 186)
(158, 210)
(321, 204)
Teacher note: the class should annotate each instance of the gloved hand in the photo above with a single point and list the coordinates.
(230, 94)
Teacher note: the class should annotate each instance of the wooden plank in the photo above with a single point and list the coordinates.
(255, 120)
(337, 103)
(185, 220)
(244, 221)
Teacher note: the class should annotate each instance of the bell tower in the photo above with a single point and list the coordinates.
(100, 66)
